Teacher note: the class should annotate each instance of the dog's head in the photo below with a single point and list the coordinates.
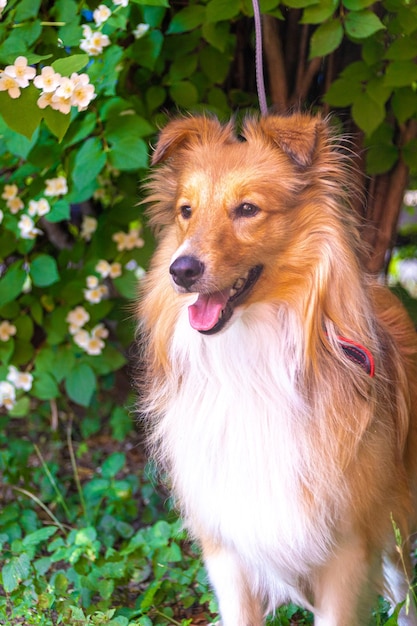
(248, 211)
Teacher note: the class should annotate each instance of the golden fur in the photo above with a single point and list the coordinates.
(287, 459)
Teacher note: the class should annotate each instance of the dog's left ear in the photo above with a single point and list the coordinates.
(297, 135)
(186, 131)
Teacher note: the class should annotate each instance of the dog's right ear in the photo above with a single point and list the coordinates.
(186, 131)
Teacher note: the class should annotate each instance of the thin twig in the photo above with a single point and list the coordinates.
(52, 481)
(42, 505)
(75, 470)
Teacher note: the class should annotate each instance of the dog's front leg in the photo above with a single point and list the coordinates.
(238, 605)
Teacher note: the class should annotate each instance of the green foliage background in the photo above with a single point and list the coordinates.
(86, 548)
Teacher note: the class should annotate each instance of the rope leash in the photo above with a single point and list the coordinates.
(260, 84)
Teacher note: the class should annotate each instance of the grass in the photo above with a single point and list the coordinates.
(87, 535)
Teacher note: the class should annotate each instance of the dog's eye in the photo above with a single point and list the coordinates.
(185, 211)
(246, 209)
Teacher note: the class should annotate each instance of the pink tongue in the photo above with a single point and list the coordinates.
(206, 310)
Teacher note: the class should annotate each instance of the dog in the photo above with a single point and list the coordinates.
(280, 386)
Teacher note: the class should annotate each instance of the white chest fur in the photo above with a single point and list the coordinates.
(235, 435)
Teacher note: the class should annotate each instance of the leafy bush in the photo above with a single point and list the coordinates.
(83, 88)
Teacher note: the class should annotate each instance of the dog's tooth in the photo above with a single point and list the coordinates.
(239, 284)
(233, 291)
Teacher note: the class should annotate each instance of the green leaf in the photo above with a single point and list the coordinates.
(24, 327)
(147, 49)
(184, 94)
(60, 211)
(121, 423)
(187, 19)
(342, 92)
(64, 361)
(155, 97)
(129, 154)
(15, 571)
(219, 10)
(404, 104)
(80, 384)
(113, 464)
(26, 9)
(409, 152)
(401, 73)
(326, 38)
(318, 13)
(362, 24)
(21, 114)
(39, 536)
(357, 5)
(57, 122)
(89, 161)
(183, 67)
(402, 49)
(153, 3)
(381, 153)
(217, 34)
(299, 4)
(44, 271)
(21, 408)
(125, 125)
(213, 64)
(68, 65)
(377, 89)
(45, 387)
(367, 113)
(11, 283)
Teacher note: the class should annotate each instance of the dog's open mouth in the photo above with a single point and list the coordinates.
(210, 312)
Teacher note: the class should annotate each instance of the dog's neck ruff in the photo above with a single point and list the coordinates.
(358, 354)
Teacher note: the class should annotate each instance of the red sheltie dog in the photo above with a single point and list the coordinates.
(281, 383)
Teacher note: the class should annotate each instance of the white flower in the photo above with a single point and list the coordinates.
(88, 227)
(91, 343)
(7, 330)
(7, 395)
(15, 205)
(45, 100)
(95, 346)
(9, 84)
(27, 228)
(77, 318)
(93, 42)
(56, 186)
(63, 105)
(48, 80)
(92, 282)
(95, 294)
(1, 216)
(101, 14)
(121, 3)
(128, 241)
(10, 192)
(100, 332)
(20, 71)
(21, 380)
(115, 270)
(81, 338)
(38, 207)
(83, 92)
(103, 268)
(3, 4)
(140, 30)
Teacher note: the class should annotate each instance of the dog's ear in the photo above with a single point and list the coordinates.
(185, 131)
(297, 135)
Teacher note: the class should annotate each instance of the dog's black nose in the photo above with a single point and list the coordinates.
(186, 270)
